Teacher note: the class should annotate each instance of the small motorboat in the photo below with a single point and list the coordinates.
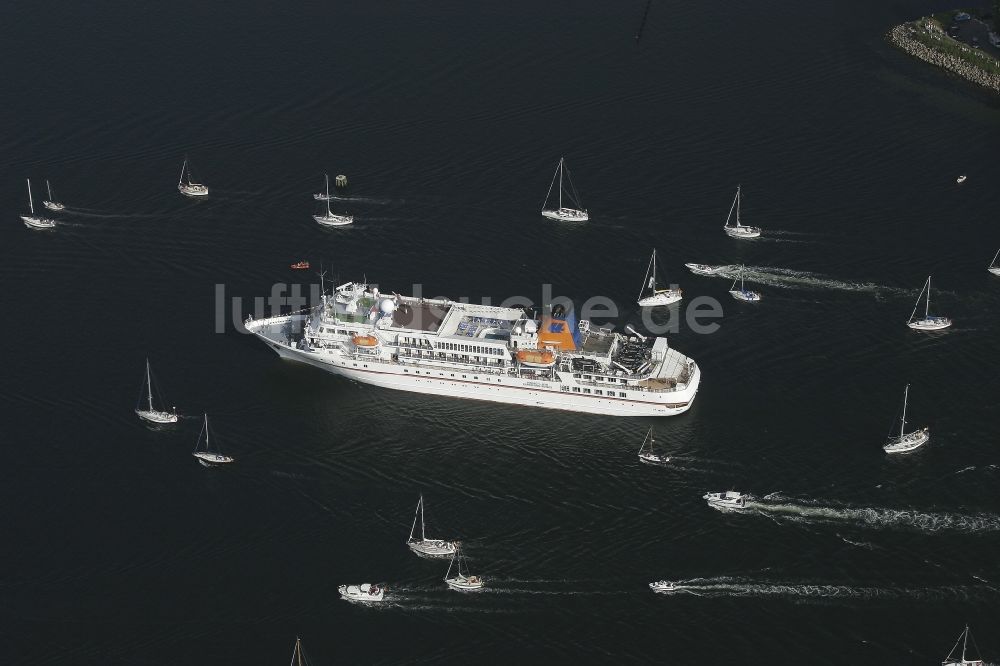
(366, 592)
(300, 265)
(666, 586)
(729, 499)
(961, 179)
(705, 269)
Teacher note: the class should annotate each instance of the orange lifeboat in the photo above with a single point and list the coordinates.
(365, 341)
(300, 266)
(536, 357)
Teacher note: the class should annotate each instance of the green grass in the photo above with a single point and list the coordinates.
(944, 44)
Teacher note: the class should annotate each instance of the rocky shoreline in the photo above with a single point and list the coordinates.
(908, 38)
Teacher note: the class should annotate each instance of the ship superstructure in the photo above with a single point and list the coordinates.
(484, 352)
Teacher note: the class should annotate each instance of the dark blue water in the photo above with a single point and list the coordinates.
(448, 118)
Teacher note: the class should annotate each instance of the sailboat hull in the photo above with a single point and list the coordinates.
(212, 459)
(653, 458)
(156, 417)
(930, 324)
(994, 269)
(33, 222)
(334, 220)
(742, 232)
(432, 548)
(566, 215)
(193, 190)
(666, 297)
(53, 205)
(909, 442)
(463, 584)
(748, 296)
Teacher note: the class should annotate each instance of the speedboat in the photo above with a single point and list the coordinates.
(366, 592)
(960, 179)
(705, 269)
(729, 499)
(666, 586)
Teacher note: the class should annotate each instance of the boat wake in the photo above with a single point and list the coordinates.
(726, 586)
(807, 511)
(787, 278)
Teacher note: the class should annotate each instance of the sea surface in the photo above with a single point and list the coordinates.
(449, 118)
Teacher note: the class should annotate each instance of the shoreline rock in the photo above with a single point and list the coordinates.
(904, 37)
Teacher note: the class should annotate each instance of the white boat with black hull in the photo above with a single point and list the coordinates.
(646, 453)
(929, 322)
(151, 414)
(423, 545)
(656, 297)
(188, 187)
(33, 221)
(739, 230)
(705, 269)
(956, 659)
(462, 581)
(993, 268)
(365, 592)
(906, 442)
(329, 218)
(500, 354)
(209, 457)
(727, 500)
(51, 202)
(743, 294)
(564, 213)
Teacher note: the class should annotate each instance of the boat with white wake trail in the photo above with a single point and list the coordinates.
(668, 587)
(728, 500)
(705, 269)
(462, 581)
(365, 592)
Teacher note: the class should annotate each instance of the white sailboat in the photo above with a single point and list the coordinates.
(739, 230)
(929, 322)
(365, 592)
(185, 186)
(152, 414)
(51, 202)
(729, 500)
(330, 219)
(656, 297)
(564, 213)
(33, 221)
(646, 454)
(208, 457)
(993, 268)
(905, 442)
(462, 580)
(953, 659)
(743, 294)
(423, 545)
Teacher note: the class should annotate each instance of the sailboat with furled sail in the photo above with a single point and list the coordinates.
(564, 213)
(33, 221)
(462, 581)
(329, 218)
(209, 457)
(905, 442)
(186, 186)
(929, 322)
(51, 202)
(739, 230)
(953, 659)
(151, 414)
(298, 655)
(656, 297)
(646, 454)
(423, 545)
(993, 268)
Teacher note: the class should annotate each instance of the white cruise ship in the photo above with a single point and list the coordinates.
(482, 352)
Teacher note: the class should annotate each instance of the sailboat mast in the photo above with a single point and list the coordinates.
(31, 203)
(423, 528)
(561, 159)
(327, 176)
(149, 385)
(652, 278)
(206, 433)
(738, 205)
(902, 423)
(927, 309)
(48, 188)
(993, 263)
(180, 181)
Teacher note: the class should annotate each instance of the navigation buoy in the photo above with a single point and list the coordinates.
(340, 181)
